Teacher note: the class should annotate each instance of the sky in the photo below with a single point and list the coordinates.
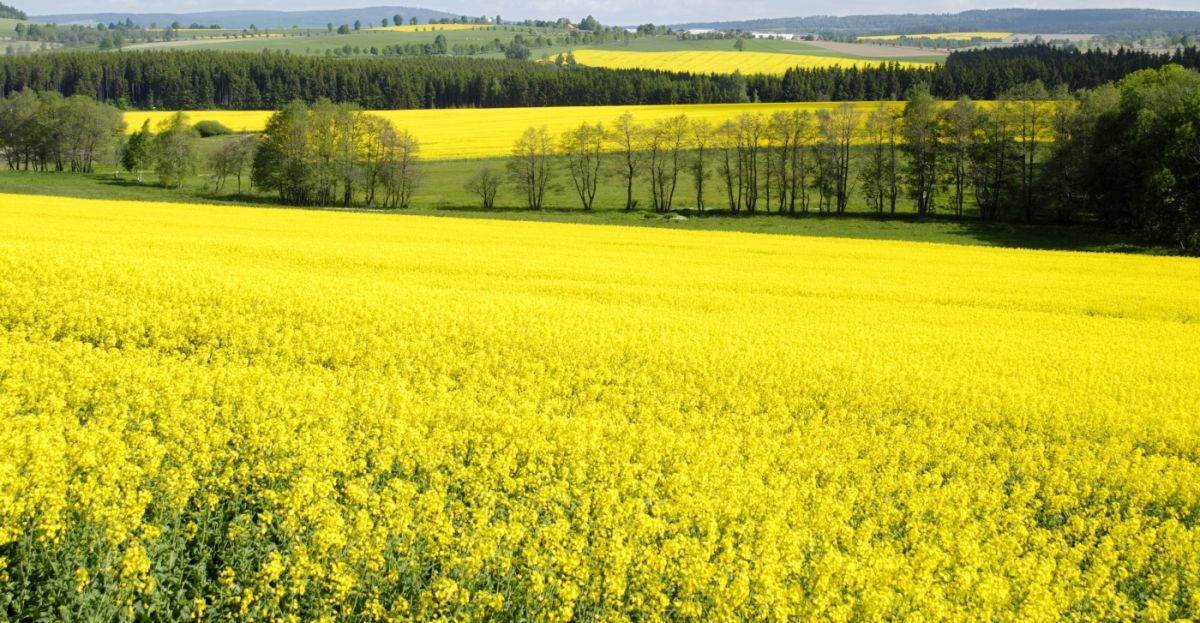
(623, 12)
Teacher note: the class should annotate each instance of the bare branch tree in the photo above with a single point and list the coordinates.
(583, 147)
(664, 143)
(485, 183)
(529, 165)
(802, 139)
(729, 164)
(371, 152)
(781, 135)
(626, 136)
(748, 142)
(400, 162)
(702, 137)
(878, 174)
(232, 159)
(845, 127)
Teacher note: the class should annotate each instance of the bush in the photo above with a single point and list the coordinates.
(212, 128)
(517, 52)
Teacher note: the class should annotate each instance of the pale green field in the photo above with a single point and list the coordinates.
(7, 27)
(671, 44)
(317, 41)
(948, 36)
(774, 46)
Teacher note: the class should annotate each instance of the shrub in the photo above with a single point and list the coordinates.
(212, 128)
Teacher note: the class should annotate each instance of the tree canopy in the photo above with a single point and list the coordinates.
(12, 12)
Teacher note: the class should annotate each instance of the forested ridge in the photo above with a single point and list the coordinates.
(256, 81)
(11, 12)
(248, 81)
(984, 73)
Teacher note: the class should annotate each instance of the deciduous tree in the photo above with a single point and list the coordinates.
(922, 144)
(486, 184)
(530, 165)
(174, 149)
(665, 142)
(960, 123)
(583, 147)
(626, 136)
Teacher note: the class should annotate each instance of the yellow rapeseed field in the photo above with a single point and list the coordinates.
(216, 413)
(447, 134)
(720, 61)
(949, 36)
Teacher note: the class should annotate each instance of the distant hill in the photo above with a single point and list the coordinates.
(261, 19)
(1081, 21)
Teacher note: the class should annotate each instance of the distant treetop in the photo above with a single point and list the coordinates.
(12, 12)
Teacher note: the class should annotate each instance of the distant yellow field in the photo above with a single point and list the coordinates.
(949, 36)
(719, 61)
(237, 120)
(450, 134)
(430, 27)
(464, 133)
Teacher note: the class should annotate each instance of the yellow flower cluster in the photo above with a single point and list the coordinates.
(216, 412)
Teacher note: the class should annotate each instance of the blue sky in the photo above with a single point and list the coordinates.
(607, 11)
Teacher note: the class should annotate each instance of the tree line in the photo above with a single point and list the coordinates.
(320, 155)
(48, 132)
(790, 162)
(106, 36)
(982, 74)
(12, 12)
(228, 80)
(1125, 154)
(248, 81)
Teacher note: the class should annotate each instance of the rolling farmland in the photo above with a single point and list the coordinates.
(318, 41)
(429, 28)
(668, 52)
(721, 61)
(8, 28)
(227, 413)
(949, 36)
(775, 46)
